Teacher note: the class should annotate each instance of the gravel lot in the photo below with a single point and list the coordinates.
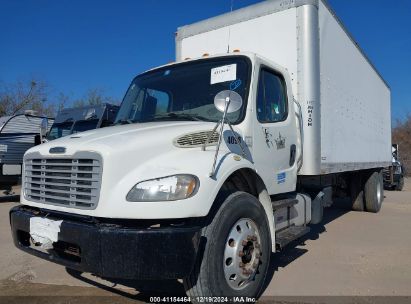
(350, 254)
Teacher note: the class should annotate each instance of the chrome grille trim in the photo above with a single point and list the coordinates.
(72, 182)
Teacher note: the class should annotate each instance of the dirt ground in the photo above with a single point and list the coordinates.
(351, 254)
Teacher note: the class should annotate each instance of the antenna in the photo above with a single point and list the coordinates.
(229, 28)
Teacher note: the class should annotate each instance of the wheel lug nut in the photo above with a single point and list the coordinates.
(241, 254)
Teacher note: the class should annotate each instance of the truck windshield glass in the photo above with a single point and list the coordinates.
(59, 130)
(185, 91)
(85, 125)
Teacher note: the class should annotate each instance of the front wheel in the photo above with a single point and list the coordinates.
(236, 254)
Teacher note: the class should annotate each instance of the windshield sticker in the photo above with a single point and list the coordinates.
(235, 84)
(223, 73)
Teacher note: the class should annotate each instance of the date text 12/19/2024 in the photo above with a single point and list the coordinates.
(202, 299)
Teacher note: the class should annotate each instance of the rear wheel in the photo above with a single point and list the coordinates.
(374, 192)
(400, 184)
(357, 193)
(236, 255)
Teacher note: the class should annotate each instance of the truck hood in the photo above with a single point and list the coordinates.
(134, 136)
(129, 154)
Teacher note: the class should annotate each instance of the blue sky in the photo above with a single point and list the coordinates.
(76, 45)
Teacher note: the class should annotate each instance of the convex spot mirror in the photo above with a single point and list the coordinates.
(230, 98)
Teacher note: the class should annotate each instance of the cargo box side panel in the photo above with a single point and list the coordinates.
(355, 103)
(272, 36)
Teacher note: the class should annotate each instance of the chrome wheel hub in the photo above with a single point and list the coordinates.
(242, 254)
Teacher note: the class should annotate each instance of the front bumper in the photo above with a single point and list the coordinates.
(112, 250)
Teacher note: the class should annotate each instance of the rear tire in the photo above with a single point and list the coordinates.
(400, 184)
(374, 192)
(357, 193)
(235, 258)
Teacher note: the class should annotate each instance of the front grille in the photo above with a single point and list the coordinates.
(196, 139)
(63, 181)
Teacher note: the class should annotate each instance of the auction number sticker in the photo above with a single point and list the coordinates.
(223, 73)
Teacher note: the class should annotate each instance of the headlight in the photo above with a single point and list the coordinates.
(169, 188)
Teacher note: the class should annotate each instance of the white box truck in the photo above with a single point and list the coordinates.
(218, 159)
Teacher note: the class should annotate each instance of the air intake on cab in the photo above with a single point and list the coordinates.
(196, 139)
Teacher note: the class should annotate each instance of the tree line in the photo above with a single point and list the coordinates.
(34, 94)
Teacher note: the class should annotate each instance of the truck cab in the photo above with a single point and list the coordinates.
(162, 174)
(80, 119)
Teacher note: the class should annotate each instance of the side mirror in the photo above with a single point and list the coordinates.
(44, 127)
(228, 101)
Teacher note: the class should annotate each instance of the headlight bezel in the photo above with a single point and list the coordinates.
(137, 199)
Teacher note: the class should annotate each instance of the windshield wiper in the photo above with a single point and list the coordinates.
(123, 122)
(184, 116)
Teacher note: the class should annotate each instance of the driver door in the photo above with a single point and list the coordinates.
(275, 131)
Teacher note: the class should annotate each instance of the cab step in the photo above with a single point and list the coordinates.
(284, 203)
(286, 236)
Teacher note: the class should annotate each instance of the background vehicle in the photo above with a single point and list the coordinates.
(220, 159)
(394, 174)
(74, 120)
(18, 133)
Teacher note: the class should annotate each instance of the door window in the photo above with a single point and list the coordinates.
(271, 97)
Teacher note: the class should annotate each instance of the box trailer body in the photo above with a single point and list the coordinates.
(18, 134)
(345, 101)
(222, 157)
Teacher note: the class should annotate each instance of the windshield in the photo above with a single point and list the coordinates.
(185, 91)
(59, 130)
(85, 125)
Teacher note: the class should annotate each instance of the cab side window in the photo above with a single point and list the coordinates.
(271, 97)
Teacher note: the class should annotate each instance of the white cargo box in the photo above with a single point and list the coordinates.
(345, 101)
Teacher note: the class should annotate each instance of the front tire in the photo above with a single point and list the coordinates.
(237, 250)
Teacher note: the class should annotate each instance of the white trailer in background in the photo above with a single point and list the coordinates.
(218, 159)
(18, 133)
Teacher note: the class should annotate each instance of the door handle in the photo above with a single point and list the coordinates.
(293, 151)
(266, 135)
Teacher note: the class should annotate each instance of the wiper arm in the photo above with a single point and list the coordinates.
(186, 116)
(124, 122)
